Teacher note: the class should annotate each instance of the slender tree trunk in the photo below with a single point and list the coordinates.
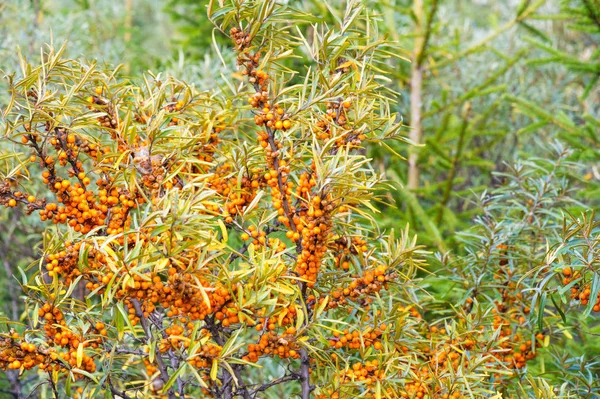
(423, 30)
(416, 132)
(416, 88)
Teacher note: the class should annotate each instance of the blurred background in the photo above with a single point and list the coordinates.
(481, 84)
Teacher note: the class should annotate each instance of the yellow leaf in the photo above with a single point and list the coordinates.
(566, 333)
(205, 297)
(282, 316)
(79, 354)
(214, 369)
(346, 64)
(162, 264)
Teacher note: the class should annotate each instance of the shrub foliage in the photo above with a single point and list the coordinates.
(223, 243)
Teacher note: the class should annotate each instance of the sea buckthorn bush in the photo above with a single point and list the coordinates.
(223, 243)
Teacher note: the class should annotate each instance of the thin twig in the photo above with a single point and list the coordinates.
(159, 360)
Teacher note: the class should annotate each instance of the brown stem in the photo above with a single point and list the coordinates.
(114, 391)
(305, 374)
(264, 387)
(227, 378)
(53, 385)
(282, 188)
(164, 375)
(416, 86)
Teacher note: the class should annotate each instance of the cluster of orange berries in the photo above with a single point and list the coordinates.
(272, 151)
(259, 238)
(285, 317)
(281, 190)
(228, 315)
(102, 279)
(526, 352)
(67, 146)
(516, 350)
(11, 199)
(65, 262)
(356, 339)
(367, 373)
(420, 387)
(511, 347)
(59, 334)
(236, 200)
(80, 209)
(240, 38)
(579, 292)
(179, 294)
(258, 100)
(361, 288)
(109, 119)
(150, 367)
(120, 220)
(273, 344)
(70, 357)
(15, 353)
(205, 354)
(345, 247)
(173, 333)
(257, 78)
(509, 316)
(273, 118)
(175, 105)
(336, 113)
(152, 170)
(93, 150)
(448, 354)
(354, 245)
(315, 228)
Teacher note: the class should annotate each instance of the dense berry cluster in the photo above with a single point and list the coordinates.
(361, 288)
(181, 294)
(579, 292)
(273, 344)
(17, 353)
(358, 339)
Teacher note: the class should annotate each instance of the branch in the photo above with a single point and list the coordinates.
(115, 391)
(305, 374)
(53, 385)
(164, 375)
(264, 387)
